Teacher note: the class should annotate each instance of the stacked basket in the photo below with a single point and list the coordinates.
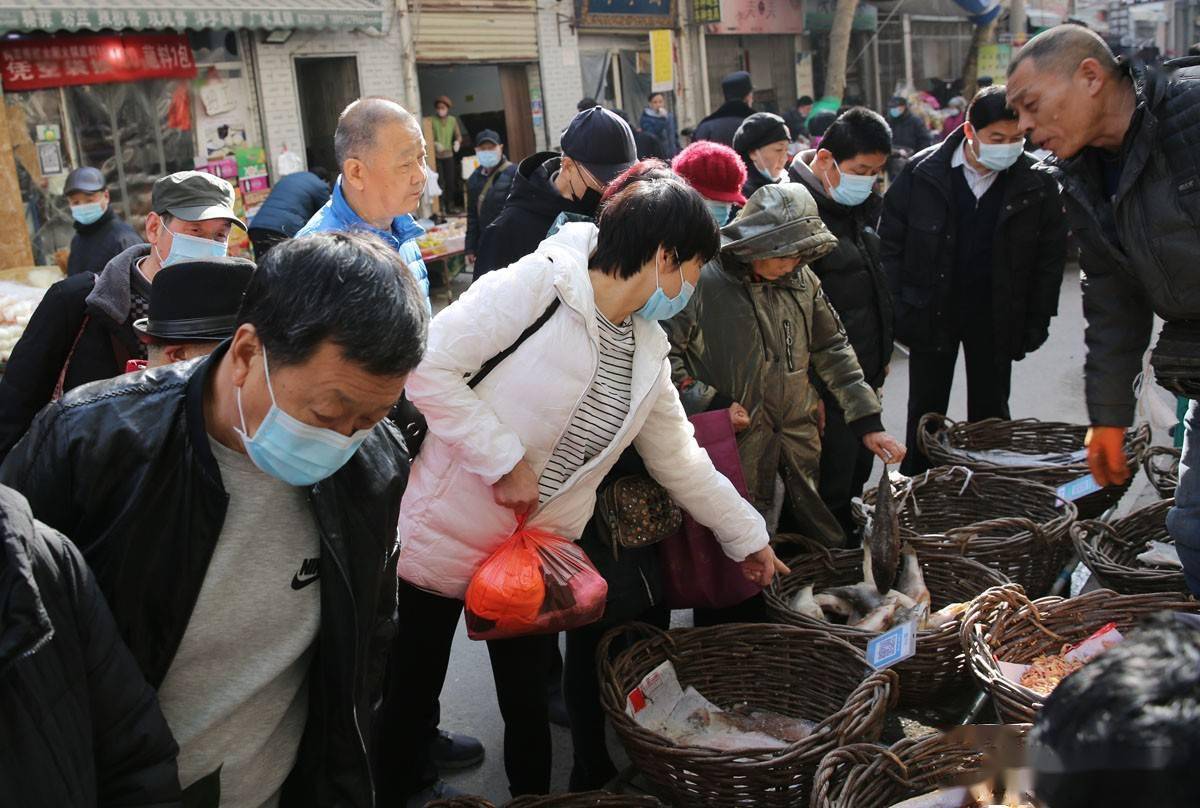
(1110, 550)
(1003, 624)
(947, 443)
(792, 671)
(1162, 468)
(583, 799)
(1015, 526)
(939, 665)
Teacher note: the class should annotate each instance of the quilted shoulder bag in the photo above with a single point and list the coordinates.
(638, 512)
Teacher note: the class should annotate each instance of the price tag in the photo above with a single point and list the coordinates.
(1078, 489)
(895, 645)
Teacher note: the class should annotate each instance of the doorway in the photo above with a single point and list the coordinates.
(326, 86)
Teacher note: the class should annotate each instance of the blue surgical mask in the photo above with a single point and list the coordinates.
(767, 174)
(488, 158)
(999, 156)
(719, 211)
(291, 450)
(661, 307)
(851, 189)
(88, 213)
(191, 248)
(895, 112)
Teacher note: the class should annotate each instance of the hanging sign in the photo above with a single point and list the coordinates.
(706, 11)
(37, 64)
(644, 14)
(662, 61)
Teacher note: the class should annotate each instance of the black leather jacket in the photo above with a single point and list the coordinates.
(123, 467)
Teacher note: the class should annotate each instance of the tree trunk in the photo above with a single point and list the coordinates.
(984, 35)
(839, 47)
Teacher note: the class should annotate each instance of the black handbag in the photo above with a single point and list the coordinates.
(411, 421)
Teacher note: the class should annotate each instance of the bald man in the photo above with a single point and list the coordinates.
(1126, 144)
(381, 155)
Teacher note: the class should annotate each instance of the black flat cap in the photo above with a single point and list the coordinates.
(85, 179)
(758, 130)
(196, 301)
(737, 85)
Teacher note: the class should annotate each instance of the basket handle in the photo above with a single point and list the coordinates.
(827, 786)
(642, 631)
(881, 691)
(989, 605)
(931, 423)
(962, 535)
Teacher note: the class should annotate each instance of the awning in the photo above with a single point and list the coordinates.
(151, 15)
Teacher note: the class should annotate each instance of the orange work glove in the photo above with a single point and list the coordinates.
(1106, 454)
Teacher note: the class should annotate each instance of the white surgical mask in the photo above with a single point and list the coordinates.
(999, 156)
(852, 189)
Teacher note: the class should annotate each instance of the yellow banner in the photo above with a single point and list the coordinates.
(662, 61)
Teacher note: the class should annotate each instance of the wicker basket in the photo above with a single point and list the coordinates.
(946, 443)
(939, 664)
(1110, 551)
(583, 799)
(1162, 467)
(1017, 527)
(792, 671)
(869, 776)
(1004, 623)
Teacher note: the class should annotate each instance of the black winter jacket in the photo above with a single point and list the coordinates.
(125, 468)
(533, 204)
(107, 341)
(909, 133)
(95, 244)
(292, 202)
(80, 725)
(1152, 269)
(482, 212)
(723, 124)
(919, 233)
(852, 275)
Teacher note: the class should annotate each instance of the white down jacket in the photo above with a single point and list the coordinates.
(449, 521)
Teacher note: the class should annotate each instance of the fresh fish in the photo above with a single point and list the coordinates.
(878, 620)
(803, 603)
(783, 727)
(1160, 554)
(905, 615)
(912, 580)
(900, 599)
(942, 798)
(883, 539)
(862, 597)
(834, 605)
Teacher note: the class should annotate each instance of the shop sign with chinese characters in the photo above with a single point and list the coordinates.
(37, 64)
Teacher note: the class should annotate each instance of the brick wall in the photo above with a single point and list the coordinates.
(380, 72)
(558, 50)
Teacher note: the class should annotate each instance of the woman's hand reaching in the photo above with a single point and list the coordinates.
(518, 489)
(761, 567)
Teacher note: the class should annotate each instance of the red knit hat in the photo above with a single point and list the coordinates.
(713, 169)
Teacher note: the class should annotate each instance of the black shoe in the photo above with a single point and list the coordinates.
(454, 751)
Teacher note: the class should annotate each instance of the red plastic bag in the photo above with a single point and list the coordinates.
(535, 583)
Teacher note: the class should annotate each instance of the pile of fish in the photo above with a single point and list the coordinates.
(892, 590)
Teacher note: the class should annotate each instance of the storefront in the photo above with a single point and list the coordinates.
(615, 58)
(142, 93)
(764, 38)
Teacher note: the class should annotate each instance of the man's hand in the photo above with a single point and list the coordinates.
(761, 567)
(885, 447)
(470, 257)
(820, 416)
(739, 417)
(517, 490)
(1106, 454)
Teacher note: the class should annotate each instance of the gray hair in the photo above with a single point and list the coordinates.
(359, 123)
(1062, 48)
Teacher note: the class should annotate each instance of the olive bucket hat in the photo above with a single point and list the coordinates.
(779, 221)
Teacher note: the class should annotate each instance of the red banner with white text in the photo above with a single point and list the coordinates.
(36, 64)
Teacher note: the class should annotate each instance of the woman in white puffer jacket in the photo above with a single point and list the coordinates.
(538, 435)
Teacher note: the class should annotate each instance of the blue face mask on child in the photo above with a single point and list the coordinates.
(661, 307)
(291, 450)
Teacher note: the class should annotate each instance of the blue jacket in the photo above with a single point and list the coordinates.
(336, 214)
(292, 202)
(662, 129)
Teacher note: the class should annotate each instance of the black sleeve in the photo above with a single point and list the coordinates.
(39, 467)
(1051, 259)
(36, 361)
(496, 245)
(893, 230)
(472, 215)
(135, 751)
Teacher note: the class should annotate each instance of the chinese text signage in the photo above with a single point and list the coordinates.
(35, 64)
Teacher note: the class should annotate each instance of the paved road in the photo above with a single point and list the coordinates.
(1046, 385)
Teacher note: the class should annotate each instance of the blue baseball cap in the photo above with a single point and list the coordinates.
(488, 136)
(601, 141)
